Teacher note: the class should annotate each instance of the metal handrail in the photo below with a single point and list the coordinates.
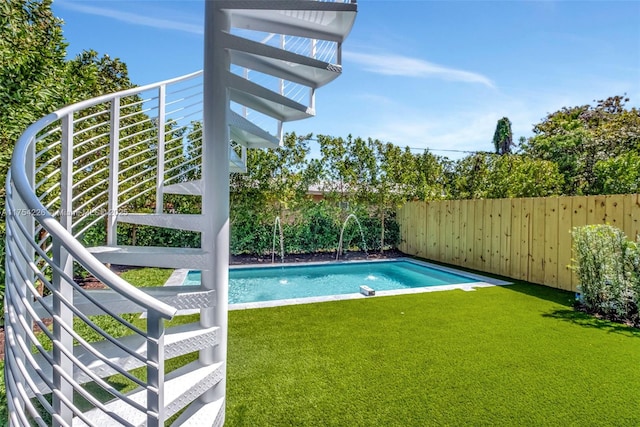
(54, 156)
(18, 176)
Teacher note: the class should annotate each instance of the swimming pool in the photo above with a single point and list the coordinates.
(295, 282)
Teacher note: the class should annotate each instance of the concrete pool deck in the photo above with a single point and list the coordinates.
(179, 275)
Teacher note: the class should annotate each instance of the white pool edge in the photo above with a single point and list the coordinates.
(178, 276)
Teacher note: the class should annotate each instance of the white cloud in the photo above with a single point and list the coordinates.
(135, 18)
(468, 129)
(397, 65)
(465, 132)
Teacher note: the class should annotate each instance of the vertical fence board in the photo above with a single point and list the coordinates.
(471, 233)
(455, 231)
(526, 239)
(564, 243)
(478, 234)
(402, 223)
(537, 260)
(599, 214)
(505, 237)
(632, 216)
(516, 230)
(404, 219)
(551, 219)
(406, 227)
(614, 207)
(414, 229)
(496, 231)
(432, 230)
(464, 231)
(421, 213)
(590, 204)
(445, 227)
(486, 235)
(580, 216)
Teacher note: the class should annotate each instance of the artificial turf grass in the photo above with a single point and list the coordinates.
(515, 355)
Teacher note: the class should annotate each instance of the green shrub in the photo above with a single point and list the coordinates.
(4, 411)
(632, 271)
(314, 227)
(603, 260)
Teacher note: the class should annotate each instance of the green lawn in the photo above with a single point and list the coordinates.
(515, 355)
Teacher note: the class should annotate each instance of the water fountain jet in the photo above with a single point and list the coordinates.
(364, 242)
(277, 224)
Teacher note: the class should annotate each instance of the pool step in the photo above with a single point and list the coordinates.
(182, 298)
(178, 341)
(153, 256)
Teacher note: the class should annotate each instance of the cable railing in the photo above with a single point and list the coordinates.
(72, 173)
(322, 50)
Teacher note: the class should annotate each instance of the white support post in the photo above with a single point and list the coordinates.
(283, 46)
(114, 171)
(312, 99)
(243, 155)
(245, 110)
(155, 370)
(215, 179)
(62, 258)
(279, 132)
(312, 91)
(160, 171)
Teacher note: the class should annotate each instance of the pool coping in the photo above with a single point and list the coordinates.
(178, 276)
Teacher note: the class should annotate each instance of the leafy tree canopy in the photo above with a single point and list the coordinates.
(578, 138)
(35, 78)
(489, 176)
(503, 137)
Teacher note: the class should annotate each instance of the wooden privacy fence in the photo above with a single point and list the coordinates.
(526, 239)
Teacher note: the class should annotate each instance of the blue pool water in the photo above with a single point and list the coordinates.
(276, 283)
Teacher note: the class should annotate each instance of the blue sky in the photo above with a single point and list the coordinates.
(427, 74)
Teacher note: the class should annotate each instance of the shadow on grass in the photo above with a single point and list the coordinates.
(588, 321)
(546, 293)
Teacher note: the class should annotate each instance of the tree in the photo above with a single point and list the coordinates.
(577, 138)
(32, 53)
(492, 176)
(35, 79)
(618, 175)
(503, 137)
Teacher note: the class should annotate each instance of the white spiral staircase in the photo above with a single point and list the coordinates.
(88, 167)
